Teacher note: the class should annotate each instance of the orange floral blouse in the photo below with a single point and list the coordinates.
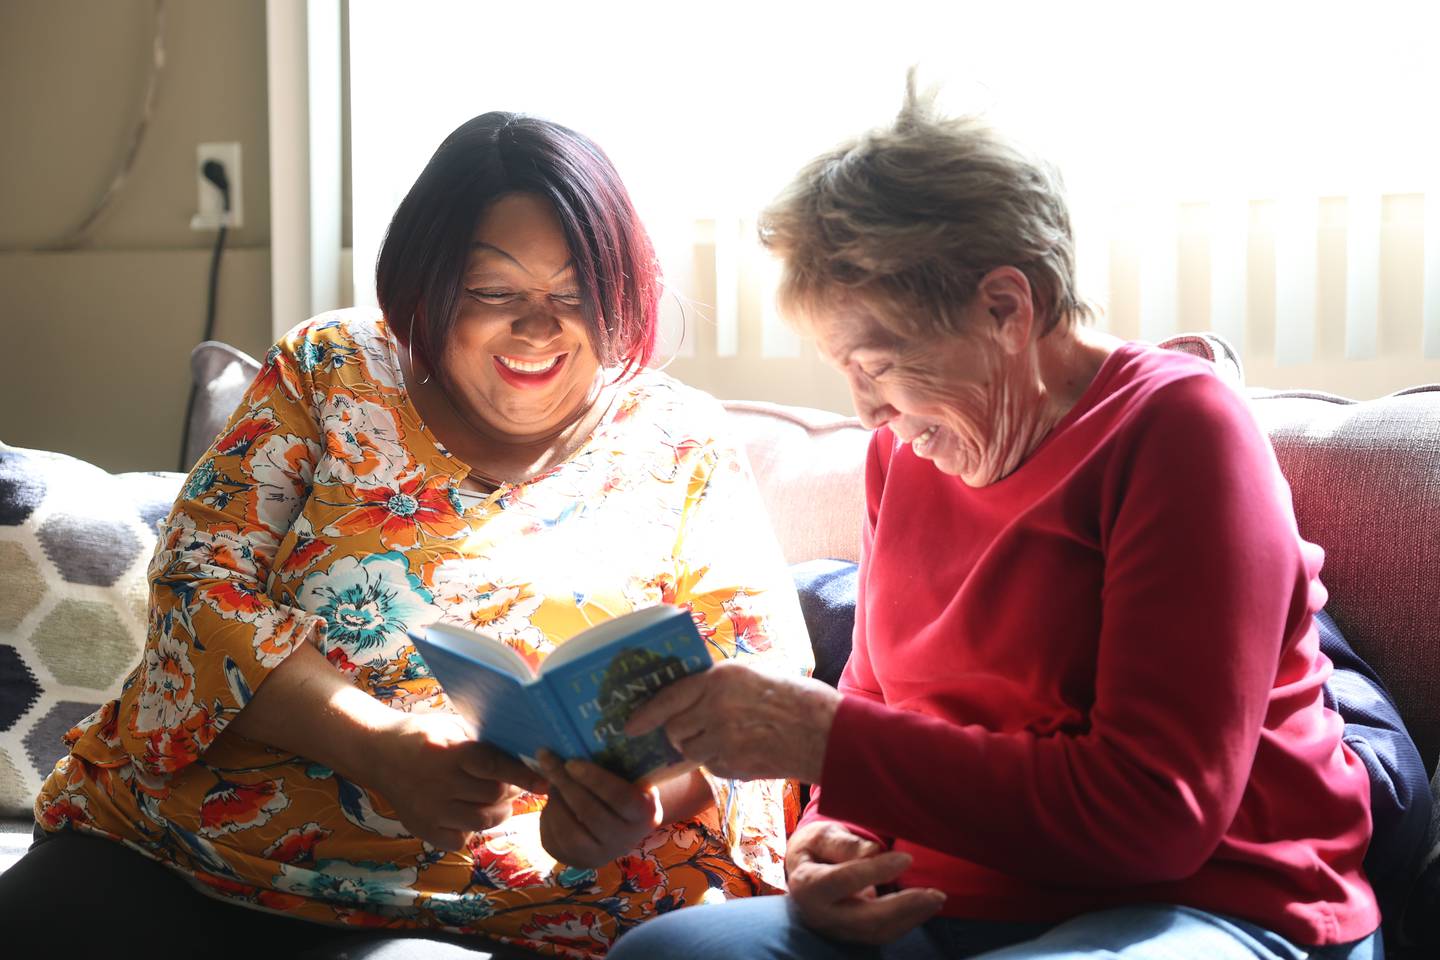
(327, 513)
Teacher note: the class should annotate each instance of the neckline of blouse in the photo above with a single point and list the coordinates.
(460, 470)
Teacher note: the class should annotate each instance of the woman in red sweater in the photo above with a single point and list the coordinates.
(1083, 713)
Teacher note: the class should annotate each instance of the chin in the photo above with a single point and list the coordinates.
(969, 475)
(974, 470)
(950, 468)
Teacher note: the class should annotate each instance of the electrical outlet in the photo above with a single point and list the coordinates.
(209, 200)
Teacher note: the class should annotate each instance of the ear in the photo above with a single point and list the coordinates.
(1004, 294)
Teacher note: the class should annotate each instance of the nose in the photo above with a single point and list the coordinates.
(874, 416)
(871, 408)
(537, 324)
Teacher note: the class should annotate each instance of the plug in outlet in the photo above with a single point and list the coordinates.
(209, 200)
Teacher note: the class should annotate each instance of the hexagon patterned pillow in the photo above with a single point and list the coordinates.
(74, 545)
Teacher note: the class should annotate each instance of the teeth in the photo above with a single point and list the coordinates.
(922, 441)
(521, 366)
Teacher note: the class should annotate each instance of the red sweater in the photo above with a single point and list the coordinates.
(1098, 681)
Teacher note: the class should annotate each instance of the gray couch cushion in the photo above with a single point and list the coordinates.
(222, 374)
(1366, 482)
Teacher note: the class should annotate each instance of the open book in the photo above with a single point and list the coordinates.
(577, 705)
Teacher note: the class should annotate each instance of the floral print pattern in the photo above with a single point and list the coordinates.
(325, 513)
(362, 442)
(405, 511)
(167, 695)
(501, 606)
(368, 602)
(282, 467)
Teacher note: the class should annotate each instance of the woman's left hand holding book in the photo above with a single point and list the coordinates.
(593, 816)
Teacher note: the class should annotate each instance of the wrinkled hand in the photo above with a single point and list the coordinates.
(445, 785)
(744, 724)
(592, 815)
(833, 875)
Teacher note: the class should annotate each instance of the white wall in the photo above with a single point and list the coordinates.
(94, 342)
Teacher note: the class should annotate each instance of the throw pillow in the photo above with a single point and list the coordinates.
(222, 374)
(1400, 800)
(827, 599)
(75, 542)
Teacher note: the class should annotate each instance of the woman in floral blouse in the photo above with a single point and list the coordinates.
(491, 451)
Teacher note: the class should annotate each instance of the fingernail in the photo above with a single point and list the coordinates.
(639, 723)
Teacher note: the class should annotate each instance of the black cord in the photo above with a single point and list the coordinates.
(209, 335)
(214, 282)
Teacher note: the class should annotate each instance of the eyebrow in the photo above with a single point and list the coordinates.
(482, 245)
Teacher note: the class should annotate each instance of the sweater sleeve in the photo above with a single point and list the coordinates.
(1203, 570)
(215, 633)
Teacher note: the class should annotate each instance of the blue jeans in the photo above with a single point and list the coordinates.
(765, 928)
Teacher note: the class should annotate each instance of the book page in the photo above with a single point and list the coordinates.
(603, 633)
(499, 708)
(474, 645)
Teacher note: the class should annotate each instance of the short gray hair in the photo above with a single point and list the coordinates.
(908, 218)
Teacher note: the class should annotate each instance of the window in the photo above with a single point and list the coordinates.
(1260, 169)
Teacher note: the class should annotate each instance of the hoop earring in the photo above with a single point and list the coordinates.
(684, 329)
(410, 352)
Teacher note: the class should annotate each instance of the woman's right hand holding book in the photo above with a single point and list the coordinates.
(444, 784)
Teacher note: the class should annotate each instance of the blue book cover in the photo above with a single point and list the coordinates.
(578, 702)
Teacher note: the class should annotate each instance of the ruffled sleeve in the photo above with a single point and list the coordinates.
(215, 633)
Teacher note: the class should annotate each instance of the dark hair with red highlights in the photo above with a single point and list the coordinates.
(422, 262)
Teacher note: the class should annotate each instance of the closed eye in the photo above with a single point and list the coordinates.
(568, 299)
(492, 294)
(873, 371)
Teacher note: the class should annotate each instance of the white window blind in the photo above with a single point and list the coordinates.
(1249, 116)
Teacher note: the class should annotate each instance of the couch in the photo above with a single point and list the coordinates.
(1365, 477)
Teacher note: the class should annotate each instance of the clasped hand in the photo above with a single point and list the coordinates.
(834, 876)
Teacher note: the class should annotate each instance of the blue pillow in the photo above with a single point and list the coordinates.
(1399, 789)
(827, 599)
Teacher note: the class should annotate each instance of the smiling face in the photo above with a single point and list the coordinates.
(973, 404)
(519, 360)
